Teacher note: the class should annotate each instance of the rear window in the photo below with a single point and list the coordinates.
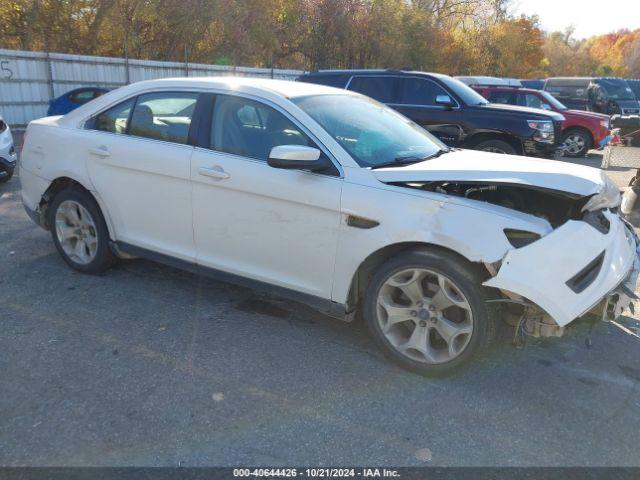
(378, 88)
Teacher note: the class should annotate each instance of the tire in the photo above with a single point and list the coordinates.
(6, 178)
(95, 255)
(496, 146)
(467, 286)
(576, 142)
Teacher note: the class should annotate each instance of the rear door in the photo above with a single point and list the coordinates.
(139, 162)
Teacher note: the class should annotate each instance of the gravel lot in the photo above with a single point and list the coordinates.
(148, 365)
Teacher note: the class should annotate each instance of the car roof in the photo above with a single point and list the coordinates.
(378, 71)
(485, 81)
(266, 88)
(283, 88)
(504, 88)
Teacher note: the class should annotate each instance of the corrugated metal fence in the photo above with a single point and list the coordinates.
(28, 80)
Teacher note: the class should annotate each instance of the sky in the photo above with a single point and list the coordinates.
(588, 17)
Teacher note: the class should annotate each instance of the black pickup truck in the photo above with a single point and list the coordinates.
(452, 111)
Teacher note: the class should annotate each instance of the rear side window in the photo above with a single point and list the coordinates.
(378, 88)
(419, 91)
(502, 97)
(114, 120)
(163, 116)
(251, 129)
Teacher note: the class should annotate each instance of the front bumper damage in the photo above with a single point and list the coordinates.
(574, 269)
(622, 300)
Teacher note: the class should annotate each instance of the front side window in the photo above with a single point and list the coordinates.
(114, 120)
(553, 101)
(378, 88)
(533, 101)
(163, 116)
(251, 129)
(418, 91)
(370, 132)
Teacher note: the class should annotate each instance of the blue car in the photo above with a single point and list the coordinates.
(73, 99)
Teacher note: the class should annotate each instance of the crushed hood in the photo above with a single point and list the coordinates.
(475, 166)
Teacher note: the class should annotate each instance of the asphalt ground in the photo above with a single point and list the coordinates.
(152, 366)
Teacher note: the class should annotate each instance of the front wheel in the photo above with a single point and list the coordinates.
(496, 146)
(79, 231)
(7, 174)
(427, 311)
(576, 143)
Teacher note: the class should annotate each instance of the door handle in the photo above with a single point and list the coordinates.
(100, 152)
(214, 172)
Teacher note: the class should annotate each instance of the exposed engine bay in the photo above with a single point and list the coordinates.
(554, 206)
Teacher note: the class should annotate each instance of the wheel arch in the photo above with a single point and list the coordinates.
(369, 265)
(581, 129)
(480, 137)
(63, 183)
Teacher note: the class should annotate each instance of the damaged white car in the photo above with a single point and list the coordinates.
(331, 198)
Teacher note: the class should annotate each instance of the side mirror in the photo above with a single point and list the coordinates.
(296, 157)
(445, 101)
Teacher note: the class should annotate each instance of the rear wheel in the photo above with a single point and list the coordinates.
(496, 146)
(576, 143)
(7, 177)
(427, 311)
(79, 231)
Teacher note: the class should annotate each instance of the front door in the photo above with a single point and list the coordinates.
(417, 101)
(272, 225)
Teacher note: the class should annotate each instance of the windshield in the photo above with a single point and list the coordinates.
(616, 90)
(374, 135)
(553, 101)
(467, 94)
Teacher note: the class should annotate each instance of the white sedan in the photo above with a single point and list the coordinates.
(331, 198)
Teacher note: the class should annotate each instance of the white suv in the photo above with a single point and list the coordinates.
(334, 199)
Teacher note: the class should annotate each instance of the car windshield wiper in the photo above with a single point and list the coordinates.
(408, 160)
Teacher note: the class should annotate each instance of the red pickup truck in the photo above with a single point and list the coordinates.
(581, 131)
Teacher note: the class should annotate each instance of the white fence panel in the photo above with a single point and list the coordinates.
(29, 80)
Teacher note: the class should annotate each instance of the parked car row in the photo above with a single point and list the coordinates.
(452, 111)
(523, 122)
(606, 95)
(329, 197)
(581, 130)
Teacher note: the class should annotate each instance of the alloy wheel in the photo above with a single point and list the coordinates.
(424, 315)
(574, 144)
(76, 232)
